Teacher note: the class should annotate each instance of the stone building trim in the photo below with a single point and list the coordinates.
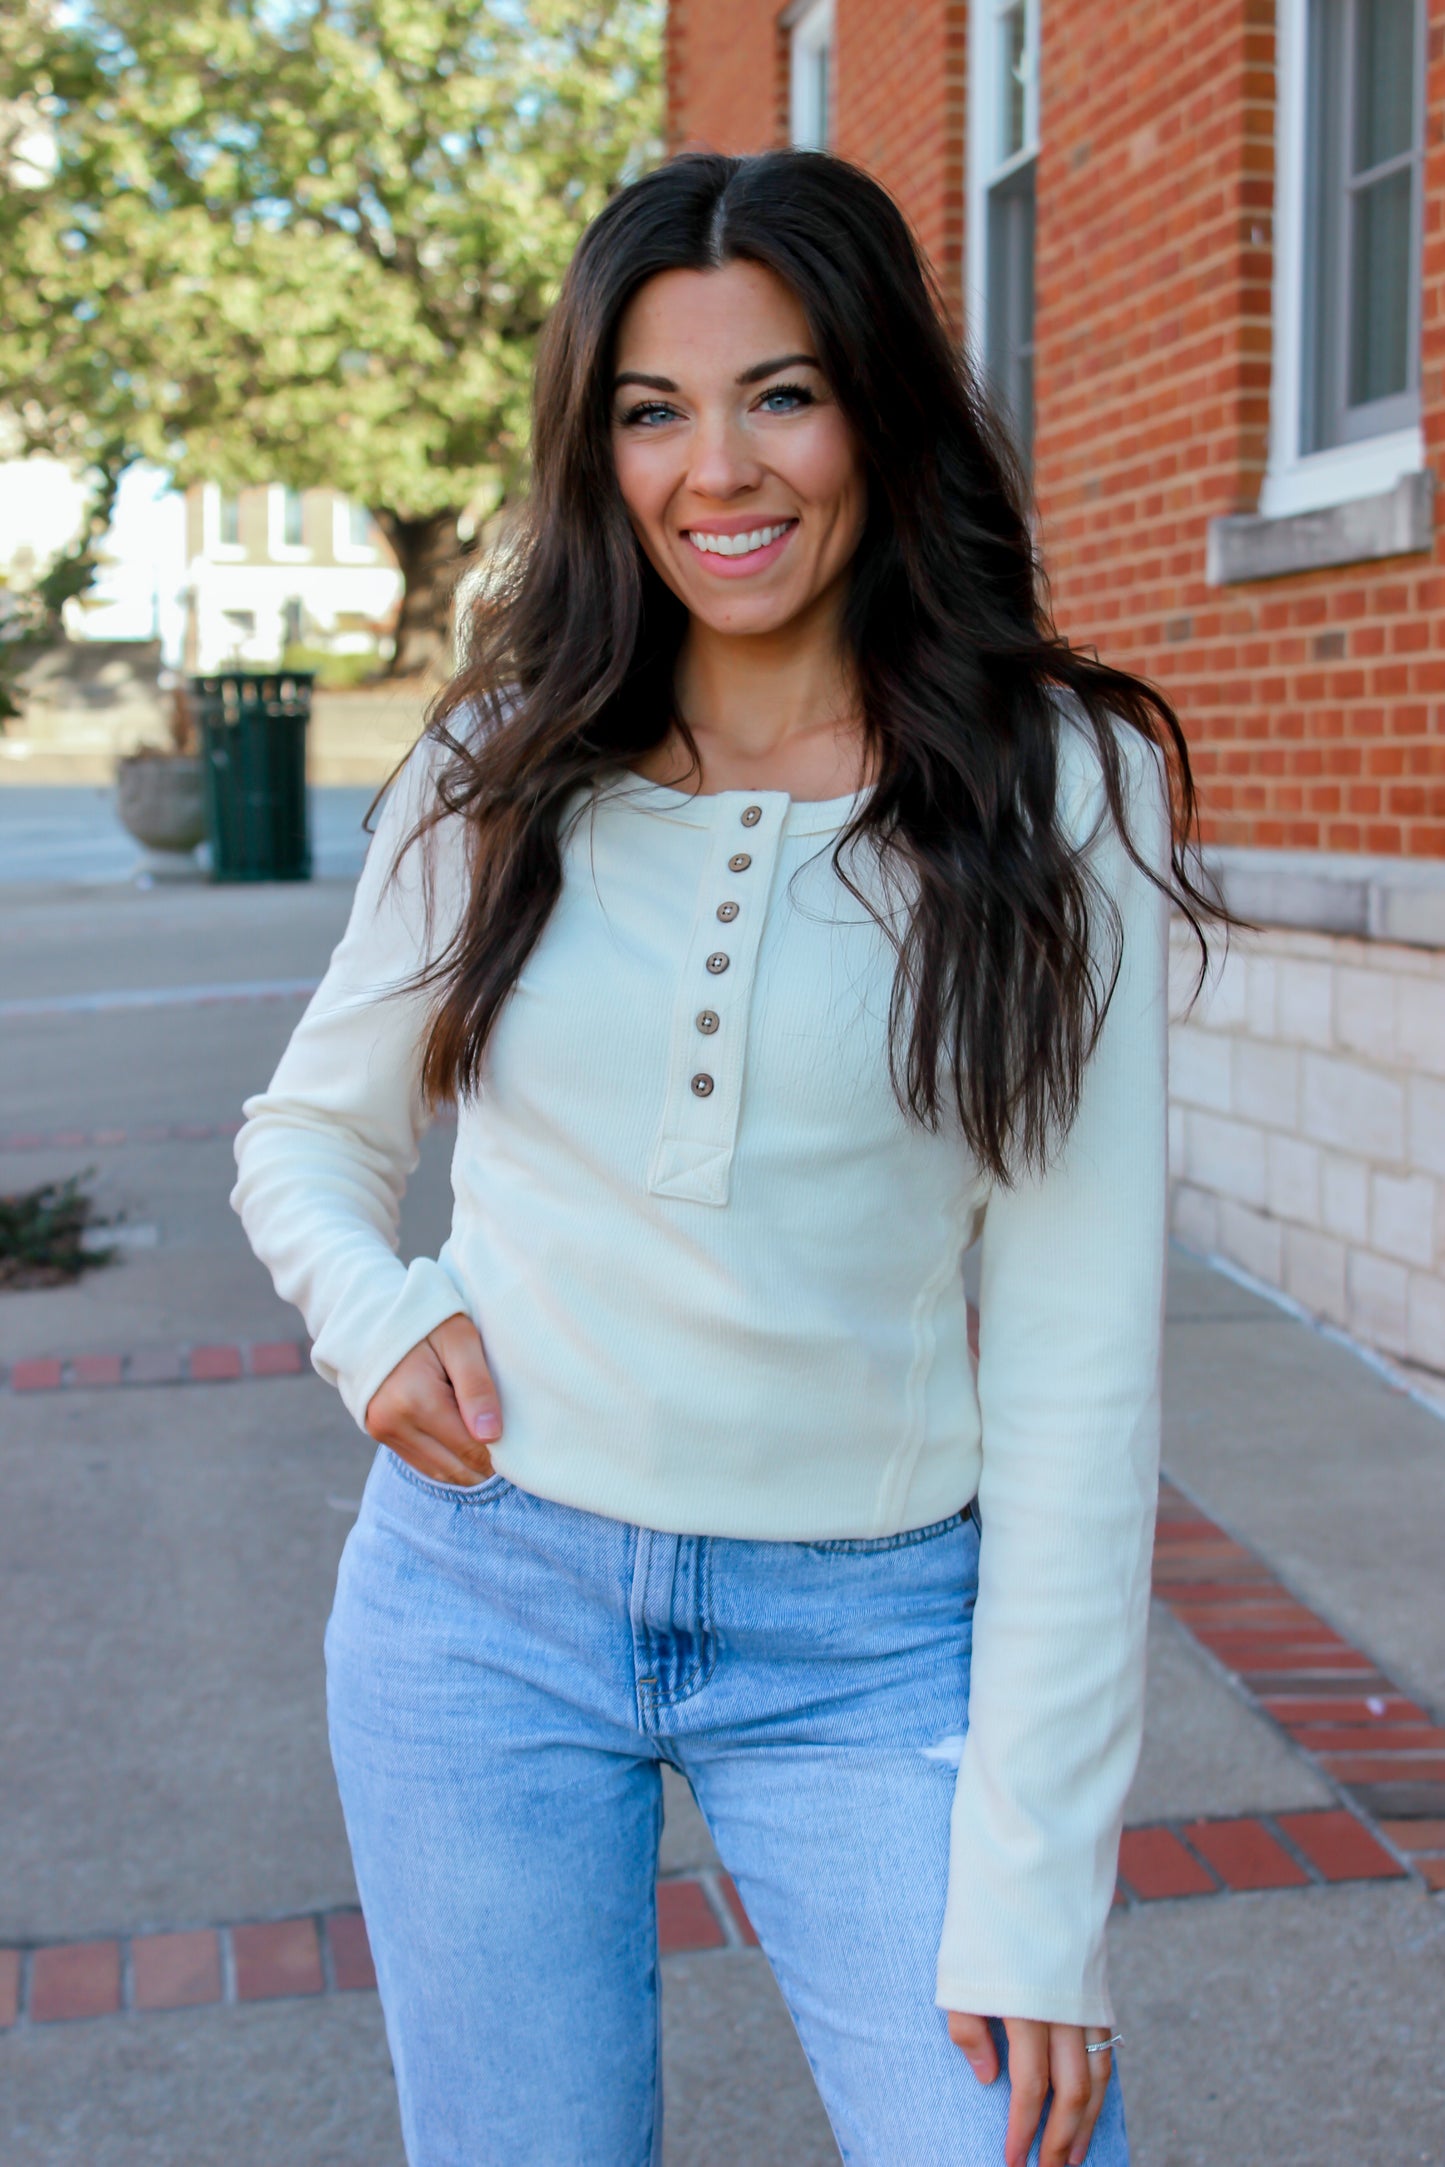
(1335, 891)
(1395, 522)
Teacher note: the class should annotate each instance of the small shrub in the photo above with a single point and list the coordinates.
(42, 1235)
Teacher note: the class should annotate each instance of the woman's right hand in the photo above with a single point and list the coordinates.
(438, 1409)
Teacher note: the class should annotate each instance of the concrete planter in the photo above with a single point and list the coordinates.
(161, 801)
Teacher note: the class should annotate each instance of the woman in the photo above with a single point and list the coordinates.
(784, 906)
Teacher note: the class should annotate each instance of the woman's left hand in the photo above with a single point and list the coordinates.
(1041, 2055)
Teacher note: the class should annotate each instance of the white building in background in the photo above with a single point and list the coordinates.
(218, 579)
(273, 569)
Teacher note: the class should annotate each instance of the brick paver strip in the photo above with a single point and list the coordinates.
(1153, 1863)
(155, 1365)
(276, 1358)
(1245, 1855)
(215, 1365)
(95, 1369)
(77, 1979)
(176, 1971)
(220, 1364)
(351, 1965)
(1375, 1743)
(1338, 1847)
(1416, 1835)
(685, 1918)
(1382, 1766)
(35, 1377)
(281, 1957)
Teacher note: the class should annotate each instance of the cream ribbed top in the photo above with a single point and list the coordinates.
(717, 1274)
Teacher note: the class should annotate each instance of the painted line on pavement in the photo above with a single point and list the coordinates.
(95, 1004)
(171, 1132)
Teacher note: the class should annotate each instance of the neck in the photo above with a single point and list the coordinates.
(774, 709)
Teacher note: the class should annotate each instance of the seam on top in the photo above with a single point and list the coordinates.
(899, 1469)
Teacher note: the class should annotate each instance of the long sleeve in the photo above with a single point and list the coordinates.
(326, 1149)
(1070, 1328)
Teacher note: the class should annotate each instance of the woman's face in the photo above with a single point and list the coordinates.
(742, 479)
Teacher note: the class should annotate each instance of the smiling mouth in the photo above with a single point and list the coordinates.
(739, 545)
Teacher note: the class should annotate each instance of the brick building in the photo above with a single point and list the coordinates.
(1197, 248)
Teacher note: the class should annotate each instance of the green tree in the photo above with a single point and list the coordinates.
(309, 241)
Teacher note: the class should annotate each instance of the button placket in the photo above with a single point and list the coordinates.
(693, 1153)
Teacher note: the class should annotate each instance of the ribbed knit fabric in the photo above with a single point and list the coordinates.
(716, 1270)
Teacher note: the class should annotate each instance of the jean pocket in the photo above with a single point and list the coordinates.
(455, 1493)
(870, 1545)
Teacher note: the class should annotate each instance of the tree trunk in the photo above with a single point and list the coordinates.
(431, 558)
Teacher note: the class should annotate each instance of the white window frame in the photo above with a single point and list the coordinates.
(343, 549)
(1309, 481)
(279, 549)
(212, 546)
(985, 167)
(810, 33)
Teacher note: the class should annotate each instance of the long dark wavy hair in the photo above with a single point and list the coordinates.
(570, 645)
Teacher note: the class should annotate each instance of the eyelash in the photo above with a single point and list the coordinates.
(800, 392)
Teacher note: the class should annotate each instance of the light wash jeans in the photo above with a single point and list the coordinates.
(506, 1677)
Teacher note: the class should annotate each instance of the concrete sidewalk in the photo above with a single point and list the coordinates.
(168, 1552)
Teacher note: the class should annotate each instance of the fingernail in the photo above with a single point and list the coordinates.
(485, 1425)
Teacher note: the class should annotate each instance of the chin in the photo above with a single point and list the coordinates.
(743, 615)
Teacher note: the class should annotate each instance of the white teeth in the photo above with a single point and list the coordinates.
(737, 545)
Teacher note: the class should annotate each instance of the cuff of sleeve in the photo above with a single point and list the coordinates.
(977, 1993)
(1020, 1944)
(425, 1295)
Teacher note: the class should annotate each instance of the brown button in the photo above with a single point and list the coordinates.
(718, 962)
(727, 912)
(752, 814)
(739, 862)
(707, 1021)
(701, 1085)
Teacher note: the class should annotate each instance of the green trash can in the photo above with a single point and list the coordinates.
(253, 740)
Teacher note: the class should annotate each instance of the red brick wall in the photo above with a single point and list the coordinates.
(1311, 703)
(727, 75)
(1314, 705)
(900, 111)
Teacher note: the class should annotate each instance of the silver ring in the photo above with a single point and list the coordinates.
(1102, 2046)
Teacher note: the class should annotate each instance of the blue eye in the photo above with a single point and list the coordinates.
(646, 415)
(795, 395)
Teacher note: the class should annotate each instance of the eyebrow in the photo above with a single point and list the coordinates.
(754, 375)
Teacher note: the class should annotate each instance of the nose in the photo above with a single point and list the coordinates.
(722, 464)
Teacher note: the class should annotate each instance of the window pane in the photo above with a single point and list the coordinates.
(810, 64)
(358, 526)
(230, 520)
(291, 528)
(1380, 290)
(1010, 339)
(1012, 34)
(1384, 80)
(820, 94)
